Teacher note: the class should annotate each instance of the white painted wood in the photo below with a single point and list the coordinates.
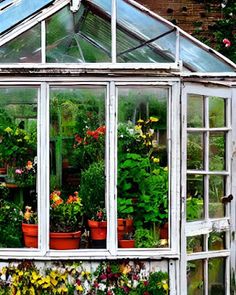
(75, 5)
(113, 30)
(43, 42)
(207, 255)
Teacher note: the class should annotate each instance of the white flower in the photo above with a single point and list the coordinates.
(101, 287)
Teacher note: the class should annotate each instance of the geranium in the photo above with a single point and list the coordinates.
(100, 215)
(65, 215)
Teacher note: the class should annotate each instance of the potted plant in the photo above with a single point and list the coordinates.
(65, 220)
(30, 228)
(98, 227)
(127, 241)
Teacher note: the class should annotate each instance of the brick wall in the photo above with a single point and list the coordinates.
(187, 14)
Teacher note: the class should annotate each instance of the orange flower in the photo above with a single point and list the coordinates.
(29, 165)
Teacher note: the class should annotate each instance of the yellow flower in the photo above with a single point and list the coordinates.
(156, 160)
(8, 130)
(62, 289)
(140, 121)
(165, 285)
(79, 288)
(154, 119)
(166, 169)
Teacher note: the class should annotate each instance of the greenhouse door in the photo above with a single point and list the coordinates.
(208, 204)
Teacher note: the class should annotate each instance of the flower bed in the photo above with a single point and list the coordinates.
(109, 278)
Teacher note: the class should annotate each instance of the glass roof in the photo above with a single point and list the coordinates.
(13, 12)
(85, 36)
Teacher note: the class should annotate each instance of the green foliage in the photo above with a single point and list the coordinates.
(92, 187)
(194, 206)
(144, 238)
(10, 225)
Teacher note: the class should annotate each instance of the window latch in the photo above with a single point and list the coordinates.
(227, 199)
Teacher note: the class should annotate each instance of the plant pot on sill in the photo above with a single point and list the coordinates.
(164, 231)
(30, 233)
(121, 228)
(126, 243)
(65, 241)
(98, 230)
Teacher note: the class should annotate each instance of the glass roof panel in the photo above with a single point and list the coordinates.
(77, 38)
(199, 59)
(13, 12)
(26, 48)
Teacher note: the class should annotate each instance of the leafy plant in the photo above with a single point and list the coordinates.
(92, 187)
(144, 238)
(10, 225)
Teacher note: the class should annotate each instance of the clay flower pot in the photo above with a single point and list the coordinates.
(98, 229)
(120, 228)
(65, 241)
(126, 243)
(164, 231)
(30, 233)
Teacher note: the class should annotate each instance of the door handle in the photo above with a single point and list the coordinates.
(227, 199)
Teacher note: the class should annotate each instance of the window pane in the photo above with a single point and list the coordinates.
(195, 244)
(83, 36)
(216, 192)
(143, 166)
(216, 276)
(217, 143)
(77, 165)
(217, 112)
(217, 241)
(195, 112)
(26, 48)
(195, 277)
(195, 197)
(195, 151)
(18, 161)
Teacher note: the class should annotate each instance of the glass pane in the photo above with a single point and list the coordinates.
(26, 48)
(216, 276)
(80, 37)
(195, 151)
(143, 166)
(216, 241)
(195, 197)
(18, 11)
(195, 277)
(77, 166)
(139, 27)
(216, 192)
(198, 59)
(18, 161)
(195, 112)
(217, 112)
(217, 142)
(195, 244)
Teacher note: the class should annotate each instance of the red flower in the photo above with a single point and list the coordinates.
(103, 276)
(78, 139)
(101, 129)
(146, 293)
(227, 42)
(145, 283)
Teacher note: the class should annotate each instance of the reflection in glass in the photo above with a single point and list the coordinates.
(216, 192)
(25, 48)
(217, 112)
(217, 151)
(195, 151)
(18, 167)
(77, 163)
(195, 244)
(216, 241)
(195, 277)
(78, 37)
(195, 197)
(142, 166)
(195, 112)
(216, 276)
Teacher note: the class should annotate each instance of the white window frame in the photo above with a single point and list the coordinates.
(205, 227)
(43, 252)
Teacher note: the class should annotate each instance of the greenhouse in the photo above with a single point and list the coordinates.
(117, 153)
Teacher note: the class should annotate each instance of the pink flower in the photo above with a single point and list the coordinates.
(18, 171)
(227, 42)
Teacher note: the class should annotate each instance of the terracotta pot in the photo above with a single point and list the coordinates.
(164, 231)
(129, 225)
(3, 170)
(65, 241)
(126, 243)
(30, 233)
(98, 229)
